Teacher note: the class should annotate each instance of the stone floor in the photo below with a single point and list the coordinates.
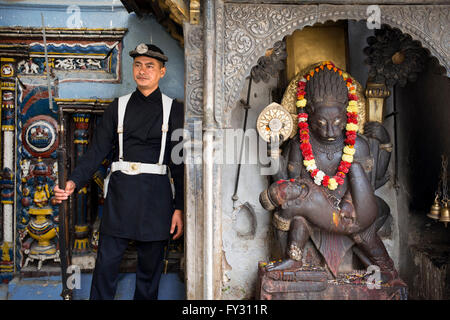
(171, 287)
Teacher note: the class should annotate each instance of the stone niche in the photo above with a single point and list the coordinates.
(243, 34)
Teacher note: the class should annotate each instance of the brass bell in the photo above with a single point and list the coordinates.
(434, 211)
(445, 214)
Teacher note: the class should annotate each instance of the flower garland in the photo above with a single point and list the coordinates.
(319, 177)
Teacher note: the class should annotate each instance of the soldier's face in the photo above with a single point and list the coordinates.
(147, 72)
(327, 122)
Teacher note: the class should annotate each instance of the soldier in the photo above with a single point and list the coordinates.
(139, 204)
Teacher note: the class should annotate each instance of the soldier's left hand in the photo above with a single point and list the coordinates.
(177, 222)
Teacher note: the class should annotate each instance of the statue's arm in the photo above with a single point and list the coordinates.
(290, 161)
(295, 160)
(381, 148)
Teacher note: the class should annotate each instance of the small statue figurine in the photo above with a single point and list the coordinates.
(325, 187)
(41, 196)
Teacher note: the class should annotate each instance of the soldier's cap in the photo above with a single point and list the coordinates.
(149, 50)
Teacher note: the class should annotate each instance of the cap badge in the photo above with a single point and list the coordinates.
(142, 48)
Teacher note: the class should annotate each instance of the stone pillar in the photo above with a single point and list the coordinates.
(193, 35)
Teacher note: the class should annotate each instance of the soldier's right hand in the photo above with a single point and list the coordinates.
(61, 195)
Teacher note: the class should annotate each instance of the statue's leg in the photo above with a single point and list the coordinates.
(279, 243)
(299, 233)
(370, 243)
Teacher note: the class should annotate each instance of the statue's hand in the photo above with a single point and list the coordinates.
(377, 131)
(273, 146)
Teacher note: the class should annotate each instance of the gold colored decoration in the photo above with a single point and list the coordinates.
(7, 67)
(178, 10)
(437, 212)
(445, 214)
(274, 120)
(41, 229)
(81, 244)
(290, 98)
(376, 93)
(319, 43)
(5, 251)
(6, 265)
(295, 253)
(281, 223)
(435, 208)
(194, 12)
(134, 166)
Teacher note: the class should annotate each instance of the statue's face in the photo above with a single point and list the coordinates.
(327, 122)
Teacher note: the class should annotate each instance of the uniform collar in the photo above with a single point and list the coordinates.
(152, 97)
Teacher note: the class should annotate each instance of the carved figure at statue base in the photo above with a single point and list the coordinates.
(324, 190)
(41, 231)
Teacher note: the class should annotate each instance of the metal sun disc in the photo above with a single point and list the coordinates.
(274, 119)
(275, 124)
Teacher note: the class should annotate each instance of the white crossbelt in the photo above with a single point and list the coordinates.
(133, 168)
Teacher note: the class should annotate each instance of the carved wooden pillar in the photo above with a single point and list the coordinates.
(376, 93)
(8, 108)
(194, 11)
(81, 140)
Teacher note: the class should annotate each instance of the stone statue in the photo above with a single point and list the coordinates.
(325, 187)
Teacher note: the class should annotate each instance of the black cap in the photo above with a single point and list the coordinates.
(149, 50)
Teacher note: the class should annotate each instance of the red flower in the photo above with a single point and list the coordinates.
(304, 138)
(314, 172)
(302, 115)
(352, 116)
(306, 147)
(340, 174)
(352, 97)
(344, 166)
(303, 125)
(339, 179)
(304, 131)
(325, 181)
(351, 134)
(350, 141)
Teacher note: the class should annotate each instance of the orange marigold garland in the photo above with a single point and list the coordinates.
(319, 177)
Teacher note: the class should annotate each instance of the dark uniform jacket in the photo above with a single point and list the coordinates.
(137, 207)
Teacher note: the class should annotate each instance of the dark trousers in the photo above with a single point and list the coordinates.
(148, 271)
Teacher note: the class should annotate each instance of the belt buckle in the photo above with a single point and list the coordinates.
(135, 166)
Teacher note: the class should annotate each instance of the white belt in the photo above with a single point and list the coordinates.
(138, 167)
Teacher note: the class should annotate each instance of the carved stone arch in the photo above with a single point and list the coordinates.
(249, 30)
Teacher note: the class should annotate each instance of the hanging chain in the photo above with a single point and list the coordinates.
(444, 194)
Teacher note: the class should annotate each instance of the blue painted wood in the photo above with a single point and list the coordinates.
(49, 288)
